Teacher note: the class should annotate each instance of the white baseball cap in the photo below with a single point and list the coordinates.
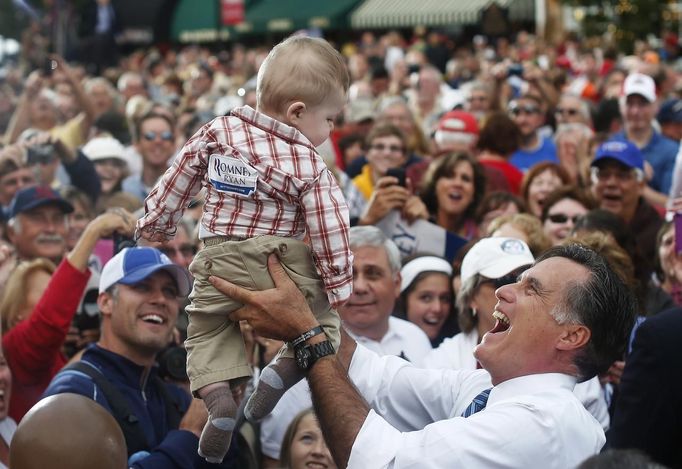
(641, 84)
(100, 148)
(132, 265)
(495, 257)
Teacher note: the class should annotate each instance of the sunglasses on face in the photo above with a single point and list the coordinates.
(511, 277)
(516, 109)
(391, 148)
(185, 250)
(562, 218)
(568, 112)
(166, 136)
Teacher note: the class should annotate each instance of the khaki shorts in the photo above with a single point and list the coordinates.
(215, 347)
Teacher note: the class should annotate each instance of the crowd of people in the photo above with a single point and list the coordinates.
(554, 168)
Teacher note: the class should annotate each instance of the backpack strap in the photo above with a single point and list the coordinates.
(174, 411)
(127, 420)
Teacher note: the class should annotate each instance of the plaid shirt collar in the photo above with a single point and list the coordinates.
(273, 126)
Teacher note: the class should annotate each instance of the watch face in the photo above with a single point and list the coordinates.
(302, 357)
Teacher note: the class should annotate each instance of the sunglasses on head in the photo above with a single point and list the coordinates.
(562, 218)
(166, 136)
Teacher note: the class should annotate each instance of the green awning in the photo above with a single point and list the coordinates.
(290, 15)
(409, 13)
(199, 20)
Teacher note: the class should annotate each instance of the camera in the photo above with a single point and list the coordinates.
(40, 154)
(172, 363)
(48, 67)
(121, 242)
(515, 70)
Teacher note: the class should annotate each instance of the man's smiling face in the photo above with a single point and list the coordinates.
(526, 335)
(375, 289)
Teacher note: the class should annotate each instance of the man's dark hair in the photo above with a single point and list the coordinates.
(499, 135)
(620, 459)
(603, 304)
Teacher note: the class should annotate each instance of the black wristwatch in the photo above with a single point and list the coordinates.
(307, 355)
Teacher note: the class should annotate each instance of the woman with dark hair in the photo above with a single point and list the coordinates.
(561, 210)
(426, 296)
(540, 180)
(453, 188)
(500, 137)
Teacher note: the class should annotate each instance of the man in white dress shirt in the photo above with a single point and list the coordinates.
(566, 320)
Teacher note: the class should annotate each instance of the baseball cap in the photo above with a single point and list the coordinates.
(622, 151)
(495, 257)
(641, 84)
(458, 124)
(671, 111)
(101, 148)
(360, 110)
(37, 196)
(133, 265)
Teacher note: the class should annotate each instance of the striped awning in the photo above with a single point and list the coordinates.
(409, 13)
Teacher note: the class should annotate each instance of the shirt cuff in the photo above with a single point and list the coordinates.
(338, 296)
(376, 444)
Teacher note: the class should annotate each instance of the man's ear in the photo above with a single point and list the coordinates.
(105, 303)
(574, 336)
(11, 234)
(295, 113)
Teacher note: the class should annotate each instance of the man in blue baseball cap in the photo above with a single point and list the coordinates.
(618, 185)
(37, 223)
(670, 119)
(140, 290)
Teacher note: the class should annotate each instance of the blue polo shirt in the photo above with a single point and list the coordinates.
(525, 159)
(660, 152)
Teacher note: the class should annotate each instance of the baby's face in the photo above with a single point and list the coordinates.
(317, 122)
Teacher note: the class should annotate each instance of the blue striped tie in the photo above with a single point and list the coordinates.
(478, 404)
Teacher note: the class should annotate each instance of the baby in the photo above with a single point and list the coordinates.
(266, 190)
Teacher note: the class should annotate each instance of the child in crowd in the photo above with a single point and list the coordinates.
(266, 190)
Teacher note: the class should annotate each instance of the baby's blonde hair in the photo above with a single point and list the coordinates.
(300, 69)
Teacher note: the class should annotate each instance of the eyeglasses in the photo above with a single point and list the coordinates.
(515, 109)
(569, 112)
(621, 174)
(166, 136)
(185, 250)
(391, 148)
(563, 218)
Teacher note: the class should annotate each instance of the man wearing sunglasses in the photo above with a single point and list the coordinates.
(572, 109)
(155, 142)
(526, 111)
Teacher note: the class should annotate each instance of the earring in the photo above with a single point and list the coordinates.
(474, 312)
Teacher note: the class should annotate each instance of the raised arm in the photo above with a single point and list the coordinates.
(282, 313)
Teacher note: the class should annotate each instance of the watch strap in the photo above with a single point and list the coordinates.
(319, 350)
(306, 335)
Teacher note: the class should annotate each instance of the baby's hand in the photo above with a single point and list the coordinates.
(154, 236)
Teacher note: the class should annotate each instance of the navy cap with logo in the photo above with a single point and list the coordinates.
(622, 151)
(37, 196)
(671, 111)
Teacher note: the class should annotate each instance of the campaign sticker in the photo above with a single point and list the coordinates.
(231, 175)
